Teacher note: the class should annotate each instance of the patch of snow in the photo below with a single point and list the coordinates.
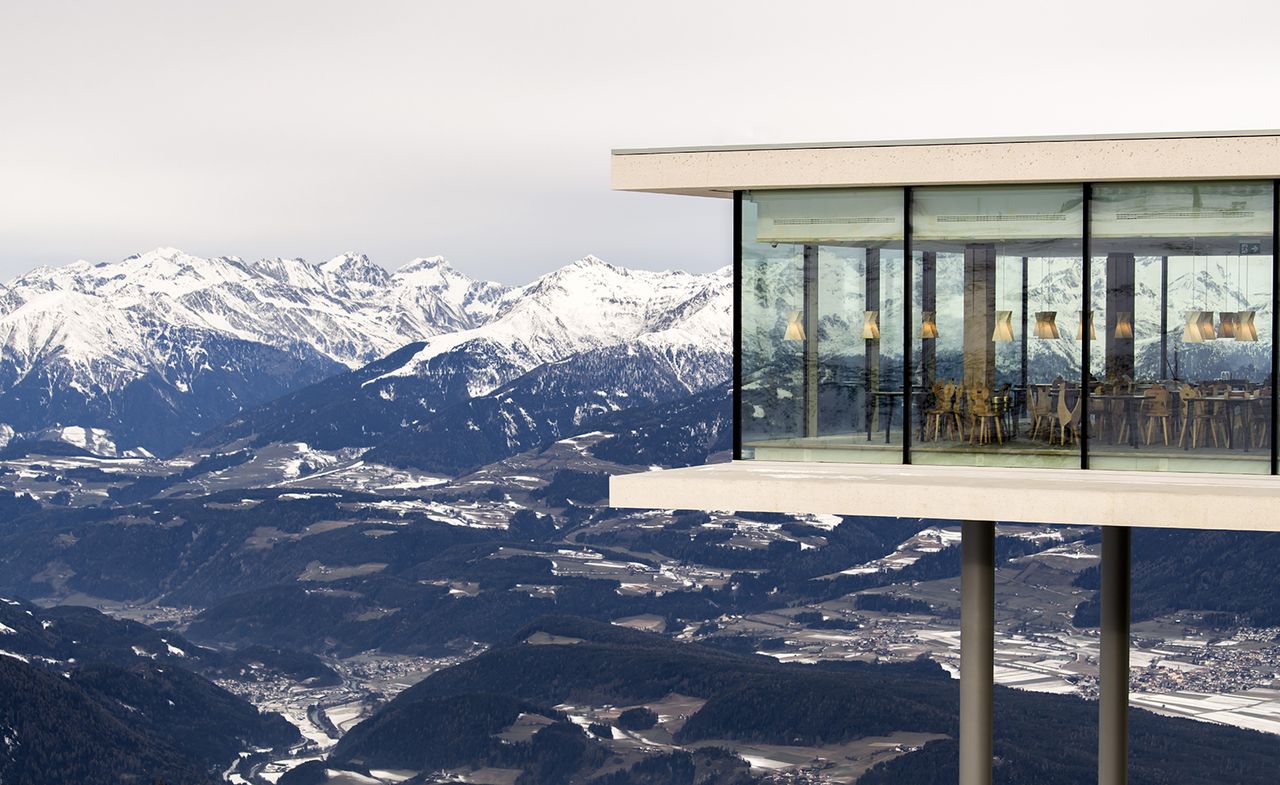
(761, 762)
(93, 440)
(415, 484)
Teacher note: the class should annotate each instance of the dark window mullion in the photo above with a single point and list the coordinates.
(1275, 319)
(908, 401)
(737, 326)
(1086, 308)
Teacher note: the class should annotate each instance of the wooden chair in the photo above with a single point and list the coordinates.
(1040, 408)
(984, 419)
(1235, 416)
(1107, 421)
(927, 404)
(942, 411)
(1003, 404)
(957, 409)
(1068, 419)
(1259, 417)
(1157, 405)
(1196, 414)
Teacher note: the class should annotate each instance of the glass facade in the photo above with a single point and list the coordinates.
(1181, 286)
(999, 268)
(821, 325)
(1117, 326)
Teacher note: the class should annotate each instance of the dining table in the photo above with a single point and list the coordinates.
(890, 396)
(1231, 406)
(1131, 402)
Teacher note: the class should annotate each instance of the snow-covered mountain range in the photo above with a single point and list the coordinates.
(347, 309)
(165, 345)
(580, 342)
(587, 305)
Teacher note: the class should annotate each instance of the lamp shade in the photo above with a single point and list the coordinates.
(928, 325)
(1191, 330)
(1003, 332)
(871, 325)
(1205, 321)
(1246, 330)
(1124, 324)
(795, 327)
(1199, 327)
(1227, 324)
(1046, 324)
(1086, 317)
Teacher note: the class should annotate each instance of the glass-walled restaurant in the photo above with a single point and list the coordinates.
(1105, 326)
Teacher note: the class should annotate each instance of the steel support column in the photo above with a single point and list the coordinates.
(977, 649)
(1113, 709)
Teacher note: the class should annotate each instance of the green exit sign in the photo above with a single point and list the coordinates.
(1250, 248)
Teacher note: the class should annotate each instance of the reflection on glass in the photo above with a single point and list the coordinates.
(995, 376)
(1182, 372)
(773, 338)
(1178, 325)
(822, 325)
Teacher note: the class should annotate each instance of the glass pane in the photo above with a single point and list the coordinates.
(772, 338)
(1182, 295)
(822, 325)
(997, 289)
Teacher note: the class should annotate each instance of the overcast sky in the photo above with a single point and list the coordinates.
(482, 131)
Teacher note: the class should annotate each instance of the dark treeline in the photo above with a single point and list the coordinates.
(1221, 572)
(101, 724)
(1041, 739)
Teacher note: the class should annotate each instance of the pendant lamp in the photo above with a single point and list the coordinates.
(1246, 330)
(1199, 327)
(1191, 330)
(795, 327)
(1227, 324)
(1086, 317)
(1200, 323)
(1124, 324)
(1003, 330)
(871, 325)
(1003, 333)
(928, 325)
(1046, 324)
(1206, 326)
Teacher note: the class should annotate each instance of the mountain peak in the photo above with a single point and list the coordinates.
(345, 260)
(161, 252)
(356, 267)
(589, 271)
(425, 263)
(589, 266)
(166, 271)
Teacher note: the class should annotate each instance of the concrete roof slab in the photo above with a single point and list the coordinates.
(719, 171)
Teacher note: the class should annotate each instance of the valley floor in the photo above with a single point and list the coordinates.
(645, 564)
